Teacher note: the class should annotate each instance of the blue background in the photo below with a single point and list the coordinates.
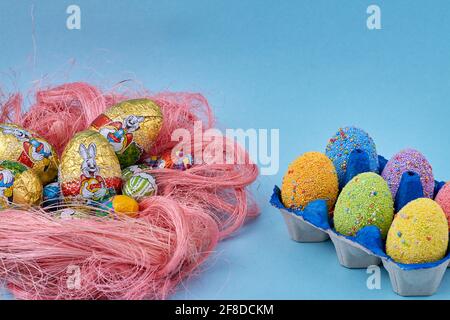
(305, 67)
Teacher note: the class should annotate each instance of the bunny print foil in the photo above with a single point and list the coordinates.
(27, 148)
(131, 127)
(90, 168)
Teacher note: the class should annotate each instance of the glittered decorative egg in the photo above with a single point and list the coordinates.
(128, 172)
(131, 127)
(443, 199)
(52, 194)
(27, 148)
(89, 168)
(364, 201)
(140, 185)
(310, 177)
(419, 233)
(343, 143)
(18, 185)
(123, 205)
(409, 160)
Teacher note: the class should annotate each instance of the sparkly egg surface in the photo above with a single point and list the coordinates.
(443, 199)
(89, 168)
(341, 145)
(310, 177)
(140, 185)
(409, 160)
(419, 233)
(131, 127)
(18, 185)
(364, 201)
(26, 147)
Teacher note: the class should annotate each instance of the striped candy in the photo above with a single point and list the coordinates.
(140, 185)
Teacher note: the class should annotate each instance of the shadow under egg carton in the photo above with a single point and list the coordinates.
(363, 250)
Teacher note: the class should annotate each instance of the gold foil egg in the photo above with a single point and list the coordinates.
(131, 127)
(89, 168)
(18, 185)
(26, 147)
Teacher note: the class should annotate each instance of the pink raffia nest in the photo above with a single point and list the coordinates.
(142, 258)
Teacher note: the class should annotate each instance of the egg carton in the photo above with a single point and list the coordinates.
(423, 281)
(361, 251)
(314, 220)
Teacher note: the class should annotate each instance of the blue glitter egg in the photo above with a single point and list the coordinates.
(52, 194)
(343, 143)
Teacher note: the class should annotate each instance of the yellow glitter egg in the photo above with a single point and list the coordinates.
(18, 185)
(89, 168)
(26, 147)
(131, 127)
(310, 177)
(419, 233)
(124, 205)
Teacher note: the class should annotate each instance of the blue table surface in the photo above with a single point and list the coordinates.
(304, 67)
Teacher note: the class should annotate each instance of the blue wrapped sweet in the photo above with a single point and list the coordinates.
(356, 143)
(52, 194)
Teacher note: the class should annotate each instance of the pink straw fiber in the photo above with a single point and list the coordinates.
(142, 258)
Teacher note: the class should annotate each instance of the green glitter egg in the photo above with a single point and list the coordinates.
(365, 201)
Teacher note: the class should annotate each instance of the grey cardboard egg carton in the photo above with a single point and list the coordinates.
(405, 282)
(417, 282)
(301, 230)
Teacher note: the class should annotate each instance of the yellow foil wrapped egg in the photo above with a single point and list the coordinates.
(89, 168)
(18, 185)
(419, 233)
(123, 206)
(26, 147)
(131, 127)
(310, 177)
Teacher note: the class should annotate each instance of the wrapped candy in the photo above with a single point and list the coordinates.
(178, 161)
(123, 205)
(52, 194)
(18, 185)
(140, 185)
(131, 127)
(127, 173)
(89, 168)
(26, 147)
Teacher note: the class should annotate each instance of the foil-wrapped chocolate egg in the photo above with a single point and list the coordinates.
(140, 185)
(131, 127)
(26, 147)
(127, 173)
(89, 168)
(171, 159)
(52, 194)
(123, 206)
(18, 185)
